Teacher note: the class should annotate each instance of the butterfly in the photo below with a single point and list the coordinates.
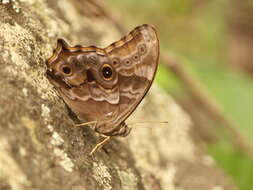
(103, 86)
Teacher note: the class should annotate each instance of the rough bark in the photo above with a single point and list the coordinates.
(40, 148)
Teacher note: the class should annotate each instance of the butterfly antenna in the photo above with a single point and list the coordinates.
(147, 122)
(85, 124)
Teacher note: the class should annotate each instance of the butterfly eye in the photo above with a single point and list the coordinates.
(66, 69)
(107, 72)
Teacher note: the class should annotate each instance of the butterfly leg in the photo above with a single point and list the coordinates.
(86, 124)
(99, 145)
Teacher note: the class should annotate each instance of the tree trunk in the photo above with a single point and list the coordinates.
(39, 146)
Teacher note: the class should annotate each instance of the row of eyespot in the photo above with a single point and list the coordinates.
(106, 68)
(136, 57)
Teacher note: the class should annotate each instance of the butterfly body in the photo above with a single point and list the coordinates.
(106, 84)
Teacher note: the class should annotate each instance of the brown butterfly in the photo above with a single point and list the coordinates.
(105, 85)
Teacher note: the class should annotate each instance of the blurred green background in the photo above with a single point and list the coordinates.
(214, 41)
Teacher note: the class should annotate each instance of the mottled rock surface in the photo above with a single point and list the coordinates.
(40, 148)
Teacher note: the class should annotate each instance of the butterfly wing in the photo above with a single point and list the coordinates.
(135, 58)
(77, 74)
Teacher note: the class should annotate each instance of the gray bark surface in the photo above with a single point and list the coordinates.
(39, 146)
